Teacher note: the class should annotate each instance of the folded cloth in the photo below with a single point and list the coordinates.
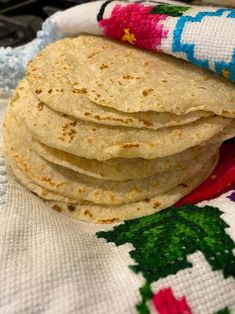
(180, 260)
(203, 36)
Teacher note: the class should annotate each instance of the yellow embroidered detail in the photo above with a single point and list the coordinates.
(225, 74)
(130, 37)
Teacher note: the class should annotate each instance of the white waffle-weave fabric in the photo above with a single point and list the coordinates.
(50, 263)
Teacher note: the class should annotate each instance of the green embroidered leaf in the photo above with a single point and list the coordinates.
(163, 241)
(146, 295)
(224, 311)
(174, 11)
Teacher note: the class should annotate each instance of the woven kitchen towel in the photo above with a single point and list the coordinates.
(180, 260)
(229, 3)
(203, 36)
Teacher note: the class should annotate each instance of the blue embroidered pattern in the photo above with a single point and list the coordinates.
(222, 68)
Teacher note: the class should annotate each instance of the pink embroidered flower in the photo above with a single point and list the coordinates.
(165, 303)
(135, 24)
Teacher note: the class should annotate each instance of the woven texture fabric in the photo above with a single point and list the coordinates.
(229, 3)
(53, 264)
(13, 61)
(202, 35)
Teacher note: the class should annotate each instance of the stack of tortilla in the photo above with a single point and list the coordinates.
(106, 132)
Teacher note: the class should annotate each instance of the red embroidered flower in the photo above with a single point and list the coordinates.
(221, 180)
(135, 24)
(165, 303)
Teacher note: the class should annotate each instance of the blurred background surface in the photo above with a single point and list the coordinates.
(21, 19)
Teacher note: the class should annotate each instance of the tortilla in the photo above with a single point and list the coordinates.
(121, 169)
(83, 188)
(125, 78)
(112, 214)
(99, 142)
(86, 110)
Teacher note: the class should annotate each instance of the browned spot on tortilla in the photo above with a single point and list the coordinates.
(92, 55)
(147, 200)
(60, 138)
(130, 145)
(65, 126)
(138, 208)
(146, 63)
(41, 105)
(97, 193)
(57, 208)
(146, 92)
(225, 111)
(38, 91)
(71, 208)
(127, 77)
(82, 90)
(109, 221)
(49, 180)
(156, 204)
(146, 122)
(50, 91)
(183, 185)
(178, 133)
(94, 129)
(89, 140)
(87, 213)
(103, 66)
(14, 99)
(112, 197)
(99, 118)
(65, 115)
(68, 132)
(61, 184)
(87, 114)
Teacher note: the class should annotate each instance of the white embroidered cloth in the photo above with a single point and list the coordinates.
(52, 264)
(201, 35)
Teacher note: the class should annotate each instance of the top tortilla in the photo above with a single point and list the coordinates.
(127, 79)
(99, 142)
